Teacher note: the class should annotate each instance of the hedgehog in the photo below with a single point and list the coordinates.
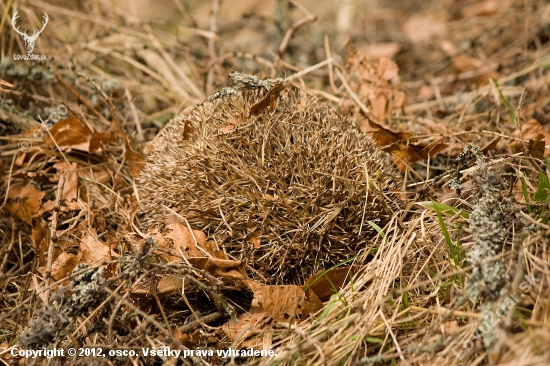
(277, 178)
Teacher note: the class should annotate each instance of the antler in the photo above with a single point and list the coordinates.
(43, 25)
(13, 21)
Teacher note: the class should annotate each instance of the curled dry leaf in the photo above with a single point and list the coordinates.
(401, 146)
(386, 50)
(535, 136)
(170, 284)
(24, 201)
(270, 100)
(64, 264)
(134, 157)
(224, 269)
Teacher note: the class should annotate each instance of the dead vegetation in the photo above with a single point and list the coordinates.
(121, 233)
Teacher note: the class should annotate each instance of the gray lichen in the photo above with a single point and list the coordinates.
(489, 228)
(68, 302)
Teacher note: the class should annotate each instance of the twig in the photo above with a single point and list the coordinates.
(330, 70)
(53, 228)
(136, 310)
(351, 93)
(195, 324)
(10, 247)
(290, 32)
(82, 99)
(134, 114)
(246, 55)
(211, 44)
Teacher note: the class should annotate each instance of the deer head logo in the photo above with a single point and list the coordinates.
(29, 40)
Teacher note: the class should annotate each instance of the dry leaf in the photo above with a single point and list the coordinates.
(490, 145)
(94, 251)
(247, 324)
(100, 141)
(325, 284)
(312, 303)
(64, 265)
(449, 327)
(134, 157)
(231, 125)
(535, 148)
(170, 284)
(423, 27)
(24, 201)
(386, 50)
(256, 241)
(485, 8)
(376, 83)
(224, 269)
(400, 145)
(278, 301)
(40, 237)
(270, 100)
(183, 241)
(531, 130)
(69, 132)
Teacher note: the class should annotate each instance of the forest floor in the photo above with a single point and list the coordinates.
(455, 92)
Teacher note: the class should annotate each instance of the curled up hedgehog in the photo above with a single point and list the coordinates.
(274, 176)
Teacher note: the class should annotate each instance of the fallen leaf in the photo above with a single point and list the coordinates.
(24, 201)
(170, 284)
(485, 8)
(376, 82)
(326, 283)
(401, 146)
(94, 251)
(40, 237)
(280, 301)
(256, 241)
(449, 327)
(490, 145)
(270, 100)
(100, 141)
(385, 50)
(535, 148)
(183, 241)
(134, 157)
(530, 130)
(246, 325)
(69, 132)
(63, 265)
(225, 269)
(423, 27)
